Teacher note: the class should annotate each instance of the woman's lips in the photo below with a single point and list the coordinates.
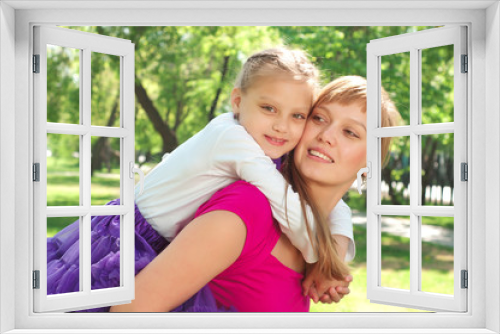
(275, 141)
(319, 155)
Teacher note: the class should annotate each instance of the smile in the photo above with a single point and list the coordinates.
(276, 141)
(320, 155)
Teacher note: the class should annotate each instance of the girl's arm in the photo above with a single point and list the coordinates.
(237, 155)
(202, 250)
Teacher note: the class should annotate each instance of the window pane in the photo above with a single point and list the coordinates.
(437, 169)
(63, 170)
(105, 250)
(437, 84)
(395, 186)
(105, 170)
(63, 85)
(437, 255)
(105, 89)
(395, 76)
(63, 255)
(395, 252)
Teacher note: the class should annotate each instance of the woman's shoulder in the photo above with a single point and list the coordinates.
(246, 201)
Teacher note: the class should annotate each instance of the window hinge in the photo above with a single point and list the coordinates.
(36, 172)
(36, 63)
(465, 64)
(464, 171)
(465, 279)
(36, 279)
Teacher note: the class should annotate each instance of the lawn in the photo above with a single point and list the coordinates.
(437, 274)
(437, 261)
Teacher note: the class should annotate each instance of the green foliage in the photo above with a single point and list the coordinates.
(182, 71)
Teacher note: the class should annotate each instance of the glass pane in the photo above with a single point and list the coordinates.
(437, 169)
(63, 255)
(395, 75)
(395, 252)
(63, 85)
(63, 170)
(437, 255)
(105, 250)
(395, 186)
(105, 169)
(437, 84)
(105, 89)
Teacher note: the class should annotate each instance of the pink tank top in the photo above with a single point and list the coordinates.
(256, 281)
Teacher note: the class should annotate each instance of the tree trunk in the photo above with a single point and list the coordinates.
(429, 157)
(99, 154)
(386, 176)
(167, 135)
(213, 107)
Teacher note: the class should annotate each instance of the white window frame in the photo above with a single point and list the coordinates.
(86, 44)
(483, 20)
(413, 44)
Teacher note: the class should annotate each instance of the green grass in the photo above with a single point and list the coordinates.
(437, 273)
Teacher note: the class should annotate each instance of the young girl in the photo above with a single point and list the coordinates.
(271, 101)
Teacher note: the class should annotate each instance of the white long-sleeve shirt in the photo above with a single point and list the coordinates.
(220, 154)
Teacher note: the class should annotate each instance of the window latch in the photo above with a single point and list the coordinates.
(368, 171)
(133, 170)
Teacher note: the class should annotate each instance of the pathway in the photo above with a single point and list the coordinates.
(401, 227)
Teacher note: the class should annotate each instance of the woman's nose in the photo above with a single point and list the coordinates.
(328, 136)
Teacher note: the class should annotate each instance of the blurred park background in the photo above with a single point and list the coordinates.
(183, 79)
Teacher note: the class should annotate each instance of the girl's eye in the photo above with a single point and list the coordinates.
(269, 108)
(299, 116)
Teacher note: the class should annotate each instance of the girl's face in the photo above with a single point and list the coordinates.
(333, 147)
(274, 111)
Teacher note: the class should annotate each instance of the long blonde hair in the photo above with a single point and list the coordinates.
(345, 90)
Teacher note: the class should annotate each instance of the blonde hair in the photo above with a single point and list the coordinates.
(345, 90)
(294, 64)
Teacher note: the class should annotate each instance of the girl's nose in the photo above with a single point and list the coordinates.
(280, 125)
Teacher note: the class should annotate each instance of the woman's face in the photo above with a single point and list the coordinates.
(333, 147)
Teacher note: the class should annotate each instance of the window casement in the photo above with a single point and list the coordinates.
(416, 132)
(84, 127)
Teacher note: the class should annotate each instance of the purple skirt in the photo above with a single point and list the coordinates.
(63, 259)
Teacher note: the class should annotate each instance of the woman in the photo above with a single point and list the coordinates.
(233, 244)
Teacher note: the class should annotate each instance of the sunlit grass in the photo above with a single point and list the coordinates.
(437, 274)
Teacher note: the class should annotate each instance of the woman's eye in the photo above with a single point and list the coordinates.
(351, 134)
(318, 118)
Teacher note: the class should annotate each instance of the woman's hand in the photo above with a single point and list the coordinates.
(334, 294)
